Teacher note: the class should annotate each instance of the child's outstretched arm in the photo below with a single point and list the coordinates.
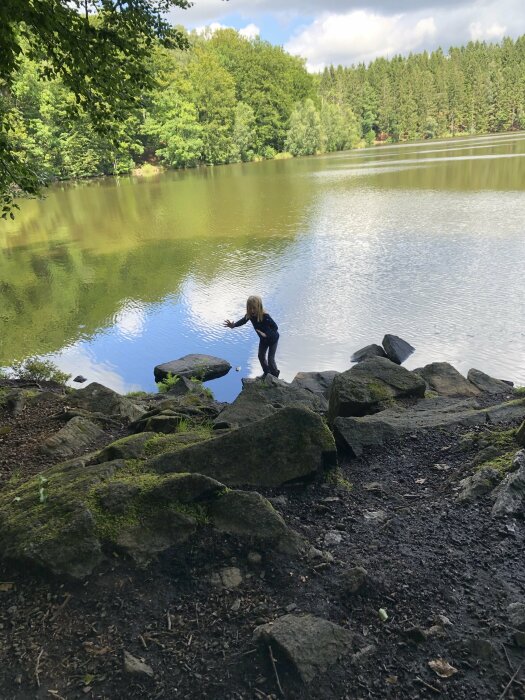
(240, 322)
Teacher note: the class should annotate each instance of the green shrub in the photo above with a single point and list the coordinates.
(168, 383)
(34, 369)
(519, 390)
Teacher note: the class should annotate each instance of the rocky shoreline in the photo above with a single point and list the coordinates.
(348, 535)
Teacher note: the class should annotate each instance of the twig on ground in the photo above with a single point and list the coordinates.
(143, 641)
(275, 671)
(507, 657)
(427, 685)
(61, 607)
(37, 667)
(168, 616)
(515, 675)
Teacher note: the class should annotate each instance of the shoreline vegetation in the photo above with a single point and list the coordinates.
(229, 99)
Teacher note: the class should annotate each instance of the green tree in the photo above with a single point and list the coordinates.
(97, 47)
(244, 134)
(304, 134)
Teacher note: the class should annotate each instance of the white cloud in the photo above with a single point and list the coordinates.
(249, 32)
(479, 32)
(359, 36)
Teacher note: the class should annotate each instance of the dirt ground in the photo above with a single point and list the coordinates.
(428, 558)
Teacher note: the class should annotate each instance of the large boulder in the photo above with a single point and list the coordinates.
(510, 494)
(316, 382)
(397, 349)
(488, 384)
(203, 367)
(478, 484)
(367, 353)
(370, 386)
(356, 433)
(445, 380)
(291, 444)
(261, 398)
(68, 517)
(310, 644)
(97, 398)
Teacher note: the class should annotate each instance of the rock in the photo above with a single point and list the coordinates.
(519, 639)
(353, 580)
(185, 386)
(229, 577)
(80, 379)
(310, 644)
(15, 402)
(98, 398)
(415, 634)
(116, 497)
(161, 423)
(74, 437)
(520, 435)
(397, 349)
(367, 352)
(371, 385)
(131, 447)
(517, 615)
(254, 558)
(486, 383)
(136, 667)
(203, 367)
(358, 433)
(506, 412)
(510, 494)
(487, 454)
(480, 648)
(262, 398)
(249, 514)
(479, 484)
(292, 444)
(332, 538)
(444, 379)
(375, 517)
(316, 382)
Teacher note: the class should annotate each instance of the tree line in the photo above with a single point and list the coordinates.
(225, 98)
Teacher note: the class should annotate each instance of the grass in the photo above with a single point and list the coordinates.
(168, 383)
(519, 391)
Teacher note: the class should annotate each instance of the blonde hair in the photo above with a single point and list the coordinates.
(254, 304)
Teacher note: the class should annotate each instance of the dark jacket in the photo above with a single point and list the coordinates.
(267, 326)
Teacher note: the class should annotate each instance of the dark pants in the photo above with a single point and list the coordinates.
(268, 366)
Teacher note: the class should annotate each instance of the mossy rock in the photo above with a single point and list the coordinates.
(291, 444)
(370, 387)
(130, 447)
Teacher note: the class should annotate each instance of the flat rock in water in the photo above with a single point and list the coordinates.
(367, 352)
(445, 380)
(291, 444)
(311, 644)
(370, 386)
(397, 349)
(486, 383)
(316, 382)
(203, 367)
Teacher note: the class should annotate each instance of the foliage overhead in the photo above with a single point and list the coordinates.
(98, 49)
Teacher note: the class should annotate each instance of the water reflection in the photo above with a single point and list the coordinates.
(113, 277)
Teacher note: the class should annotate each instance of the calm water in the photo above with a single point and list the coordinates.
(424, 240)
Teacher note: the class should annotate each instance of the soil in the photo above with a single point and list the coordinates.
(428, 556)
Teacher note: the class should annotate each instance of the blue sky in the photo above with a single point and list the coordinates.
(346, 32)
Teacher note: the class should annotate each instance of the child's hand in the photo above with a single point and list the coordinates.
(263, 335)
(228, 323)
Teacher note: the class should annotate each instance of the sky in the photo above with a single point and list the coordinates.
(352, 31)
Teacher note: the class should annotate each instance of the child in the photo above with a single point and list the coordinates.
(266, 328)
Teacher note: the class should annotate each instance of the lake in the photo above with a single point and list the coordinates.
(424, 240)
